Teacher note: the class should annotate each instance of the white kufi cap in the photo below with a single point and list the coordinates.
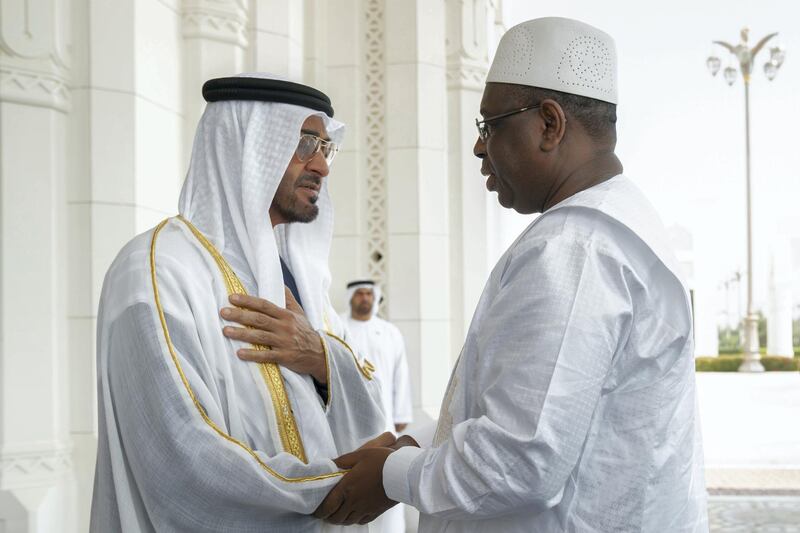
(558, 54)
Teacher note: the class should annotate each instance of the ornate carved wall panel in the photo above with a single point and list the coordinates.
(375, 93)
(467, 58)
(33, 466)
(34, 58)
(219, 20)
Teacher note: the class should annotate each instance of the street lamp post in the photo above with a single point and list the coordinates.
(746, 58)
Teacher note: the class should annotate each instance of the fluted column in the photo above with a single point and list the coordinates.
(36, 481)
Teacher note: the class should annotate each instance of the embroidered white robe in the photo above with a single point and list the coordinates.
(193, 439)
(572, 406)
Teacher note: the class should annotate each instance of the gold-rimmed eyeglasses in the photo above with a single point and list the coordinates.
(310, 144)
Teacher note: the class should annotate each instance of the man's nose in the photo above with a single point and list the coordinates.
(318, 164)
(479, 149)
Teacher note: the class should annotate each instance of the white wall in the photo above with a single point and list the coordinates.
(36, 478)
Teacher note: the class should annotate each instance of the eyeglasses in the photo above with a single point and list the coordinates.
(483, 125)
(310, 144)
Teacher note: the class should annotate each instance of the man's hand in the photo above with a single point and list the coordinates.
(359, 497)
(403, 441)
(384, 440)
(293, 342)
(389, 440)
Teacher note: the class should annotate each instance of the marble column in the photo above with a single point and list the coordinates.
(779, 302)
(36, 478)
(351, 67)
(417, 253)
(276, 37)
(467, 64)
(320, 19)
(125, 167)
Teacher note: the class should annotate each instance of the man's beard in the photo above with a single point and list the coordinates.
(363, 308)
(286, 203)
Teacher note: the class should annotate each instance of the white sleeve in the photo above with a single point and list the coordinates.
(401, 392)
(354, 409)
(549, 338)
(186, 471)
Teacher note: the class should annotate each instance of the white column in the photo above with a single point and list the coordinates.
(36, 481)
(276, 37)
(214, 45)
(318, 15)
(698, 277)
(706, 333)
(467, 64)
(779, 302)
(417, 192)
(81, 280)
(126, 166)
(349, 71)
(501, 12)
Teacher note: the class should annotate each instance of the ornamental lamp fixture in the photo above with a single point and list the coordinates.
(730, 75)
(745, 57)
(713, 63)
(776, 55)
(770, 70)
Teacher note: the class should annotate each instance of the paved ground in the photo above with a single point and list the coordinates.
(751, 434)
(771, 514)
(753, 481)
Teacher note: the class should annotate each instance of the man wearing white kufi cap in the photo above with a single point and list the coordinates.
(203, 425)
(572, 406)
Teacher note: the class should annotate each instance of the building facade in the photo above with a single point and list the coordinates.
(98, 105)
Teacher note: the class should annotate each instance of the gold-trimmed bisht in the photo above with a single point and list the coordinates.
(290, 436)
(367, 369)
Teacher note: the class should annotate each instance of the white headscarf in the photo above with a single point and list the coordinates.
(240, 153)
(376, 293)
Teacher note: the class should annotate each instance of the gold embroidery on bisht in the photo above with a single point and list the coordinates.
(327, 371)
(367, 369)
(287, 426)
(189, 390)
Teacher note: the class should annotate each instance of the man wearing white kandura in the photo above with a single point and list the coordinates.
(204, 425)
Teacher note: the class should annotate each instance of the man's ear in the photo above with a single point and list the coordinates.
(555, 124)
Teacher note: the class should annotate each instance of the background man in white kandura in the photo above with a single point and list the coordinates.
(381, 342)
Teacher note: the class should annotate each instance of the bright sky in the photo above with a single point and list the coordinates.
(681, 132)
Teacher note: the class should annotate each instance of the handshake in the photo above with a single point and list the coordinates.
(359, 498)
